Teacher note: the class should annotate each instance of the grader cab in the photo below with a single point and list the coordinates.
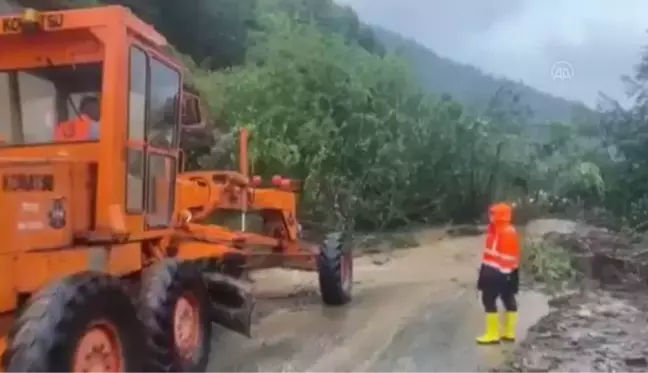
(108, 261)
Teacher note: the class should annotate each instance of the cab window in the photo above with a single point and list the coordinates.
(164, 105)
(138, 77)
(35, 102)
(161, 133)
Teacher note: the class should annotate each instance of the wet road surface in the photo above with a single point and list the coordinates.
(417, 312)
(442, 338)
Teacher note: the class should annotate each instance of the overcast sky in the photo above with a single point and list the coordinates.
(523, 39)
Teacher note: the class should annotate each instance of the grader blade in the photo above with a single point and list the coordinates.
(232, 303)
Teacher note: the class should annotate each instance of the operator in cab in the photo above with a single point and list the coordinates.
(85, 127)
(499, 275)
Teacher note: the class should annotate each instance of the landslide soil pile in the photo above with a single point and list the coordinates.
(604, 326)
(597, 332)
(602, 258)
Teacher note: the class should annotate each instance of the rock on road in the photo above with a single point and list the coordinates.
(417, 311)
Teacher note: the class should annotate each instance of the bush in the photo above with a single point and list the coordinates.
(548, 264)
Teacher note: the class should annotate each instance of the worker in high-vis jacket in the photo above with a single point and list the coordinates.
(499, 275)
(85, 127)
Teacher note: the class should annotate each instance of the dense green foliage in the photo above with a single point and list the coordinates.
(625, 159)
(352, 112)
(372, 145)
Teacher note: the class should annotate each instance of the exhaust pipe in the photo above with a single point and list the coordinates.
(232, 303)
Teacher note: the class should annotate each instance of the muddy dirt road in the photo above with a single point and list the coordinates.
(415, 310)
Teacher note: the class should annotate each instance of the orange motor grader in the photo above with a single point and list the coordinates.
(108, 261)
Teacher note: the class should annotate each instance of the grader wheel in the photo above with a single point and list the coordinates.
(335, 269)
(84, 323)
(174, 307)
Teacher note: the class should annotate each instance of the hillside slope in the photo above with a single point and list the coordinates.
(471, 86)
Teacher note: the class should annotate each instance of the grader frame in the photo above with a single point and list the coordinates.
(108, 260)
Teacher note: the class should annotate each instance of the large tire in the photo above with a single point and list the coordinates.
(171, 289)
(64, 325)
(335, 269)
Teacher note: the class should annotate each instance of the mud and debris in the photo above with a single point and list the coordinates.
(599, 331)
(606, 258)
(602, 327)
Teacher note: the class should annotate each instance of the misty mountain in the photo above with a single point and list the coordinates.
(473, 87)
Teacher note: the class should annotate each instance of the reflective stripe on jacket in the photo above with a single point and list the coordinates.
(504, 252)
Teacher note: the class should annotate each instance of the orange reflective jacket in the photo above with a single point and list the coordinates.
(490, 235)
(502, 250)
(77, 129)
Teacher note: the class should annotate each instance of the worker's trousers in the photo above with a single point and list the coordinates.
(494, 284)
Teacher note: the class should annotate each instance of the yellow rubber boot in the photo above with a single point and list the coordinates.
(510, 326)
(492, 333)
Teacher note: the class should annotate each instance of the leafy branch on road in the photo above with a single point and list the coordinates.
(548, 264)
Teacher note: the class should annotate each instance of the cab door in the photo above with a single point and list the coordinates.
(161, 143)
(152, 138)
